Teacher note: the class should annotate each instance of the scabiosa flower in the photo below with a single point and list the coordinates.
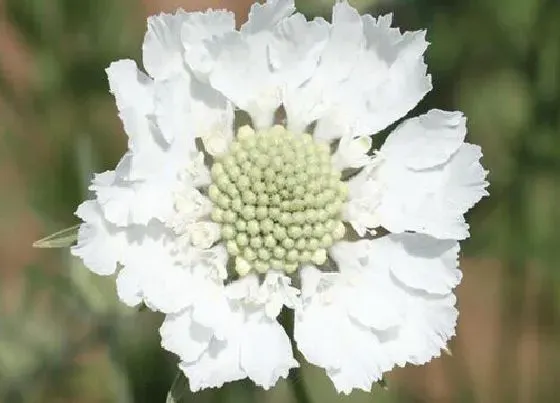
(220, 225)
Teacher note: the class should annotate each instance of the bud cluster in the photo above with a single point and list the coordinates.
(278, 200)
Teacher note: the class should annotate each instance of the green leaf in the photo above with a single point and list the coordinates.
(60, 239)
(178, 388)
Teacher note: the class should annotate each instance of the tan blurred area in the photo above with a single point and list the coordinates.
(53, 136)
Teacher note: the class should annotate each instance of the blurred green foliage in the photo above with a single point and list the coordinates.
(65, 338)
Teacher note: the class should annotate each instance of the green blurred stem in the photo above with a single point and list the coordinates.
(298, 387)
(295, 378)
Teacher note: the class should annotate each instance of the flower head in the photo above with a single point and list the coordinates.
(220, 225)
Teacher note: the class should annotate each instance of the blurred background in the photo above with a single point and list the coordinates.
(63, 337)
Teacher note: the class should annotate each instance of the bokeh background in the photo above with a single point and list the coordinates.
(63, 337)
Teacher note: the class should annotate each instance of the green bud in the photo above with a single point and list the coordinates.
(230, 217)
(241, 225)
(236, 204)
(269, 241)
(294, 231)
(261, 212)
(279, 252)
(249, 254)
(288, 243)
(213, 193)
(243, 182)
(248, 212)
(267, 225)
(262, 267)
(242, 239)
(232, 248)
(253, 227)
(263, 254)
(217, 215)
(256, 242)
(228, 232)
(242, 267)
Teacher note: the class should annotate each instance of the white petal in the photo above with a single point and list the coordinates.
(369, 76)
(428, 140)
(211, 308)
(125, 203)
(427, 320)
(364, 197)
(266, 352)
(242, 74)
(134, 95)
(352, 152)
(156, 157)
(172, 99)
(428, 326)
(364, 320)
(132, 88)
(186, 107)
(402, 190)
(162, 49)
(101, 245)
(262, 17)
(212, 117)
(315, 98)
(218, 364)
(246, 342)
(395, 73)
(294, 50)
(182, 336)
(467, 178)
(201, 26)
(152, 267)
(356, 284)
(425, 263)
(129, 286)
(242, 70)
(329, 338)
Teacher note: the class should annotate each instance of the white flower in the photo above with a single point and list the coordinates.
(217, 225)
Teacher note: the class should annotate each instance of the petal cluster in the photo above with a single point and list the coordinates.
(158, 221)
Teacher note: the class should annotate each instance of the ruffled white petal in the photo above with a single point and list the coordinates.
(374, 315)
(329, 338)
(415, 185)
(134, 95)
(428, 140)
(162, 49)
(369, 76)
(246, 340)
(262, 17)
(364, 197)
(101, 245)
(198, 28)
(162, 121)
(425, 263)
(428, 193)
(316, 97)
(352, 152)
(186, 107)
(185, 337)
(255, 347)
(152, 271)
(217, 365)
(125, 203)
(273, 51)
(266, 351)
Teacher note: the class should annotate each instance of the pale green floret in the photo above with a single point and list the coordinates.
(278, 200)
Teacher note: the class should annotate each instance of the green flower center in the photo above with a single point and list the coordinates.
(278, 200)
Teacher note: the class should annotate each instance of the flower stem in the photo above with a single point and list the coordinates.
(300, 392)
(295, 377)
